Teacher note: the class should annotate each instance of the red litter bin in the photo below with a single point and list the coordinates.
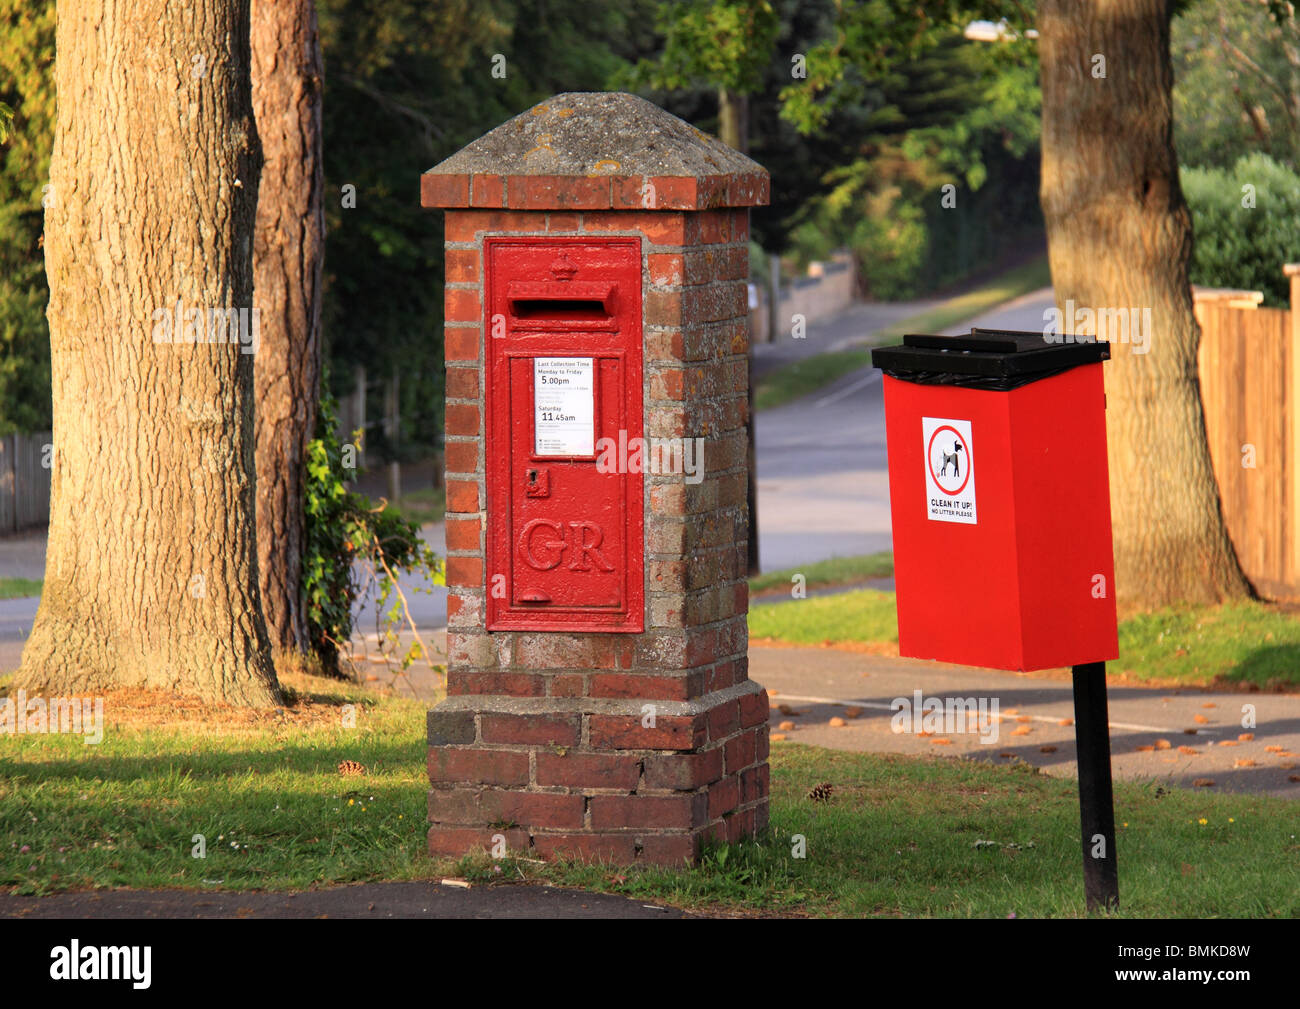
(1000, 499)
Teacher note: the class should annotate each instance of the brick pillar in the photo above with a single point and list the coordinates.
(627, 746)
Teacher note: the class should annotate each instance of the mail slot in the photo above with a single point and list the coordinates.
(1000, 500)
(565, 541)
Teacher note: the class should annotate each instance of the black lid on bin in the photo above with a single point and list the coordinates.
(986, 359)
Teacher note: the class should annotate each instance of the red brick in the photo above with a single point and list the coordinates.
(659, 227)
(557, 192)
(563, 222)
(624, 732)
(477, 766)
(462, 534)
(666, 269)
(683, 771)
(710, 227)
(462, 496)
(453, 842)
(588, 770)
(670, 849)
(465, 571)
(663, 308)
(461, 420)
(617, 848)
(465, 225)
(754, 783)
(634, 685)
(740, 750)
(483, 682)
(532, 809)
(488, 191)
(461, 457)
(534, 730)
(444, 190)
(567, 686)
(454, 805)
(724, 796)
(613, 812)
(462, 383)
(461, 304)
(724, 720)
(754, 709)
(572, 651)
(461, 266)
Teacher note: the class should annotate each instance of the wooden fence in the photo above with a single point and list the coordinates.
(1250, 386)
(24, 481)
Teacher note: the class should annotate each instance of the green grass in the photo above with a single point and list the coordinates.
(423, 506)
(899, 836)
(800, 378)
(1229, 644)
(19, 588)
(865, 616)
(263, 789)
(824, 574)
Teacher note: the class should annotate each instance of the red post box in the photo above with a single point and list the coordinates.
(1000, 499)
(563, 392)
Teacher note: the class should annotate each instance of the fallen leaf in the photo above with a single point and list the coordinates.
(1228, 742)
(940, 741)
(1243, 762)
(1011, 711)
(1191, 751)
(837, 723)
(777, 737)
(1274, 749)
(786, 726)
(1293, 778)
(852, 712)
(1200, 720)
(1066, 721)
(1203, 783)
(1047, 749)
(1162, 744)
(1023, 718)
(1007, 756)
(785, 709)
(1145, 749)
(1023, 730)
(1209, 704)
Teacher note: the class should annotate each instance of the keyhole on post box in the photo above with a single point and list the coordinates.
(539, 483)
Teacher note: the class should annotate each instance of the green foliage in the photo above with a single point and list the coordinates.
(351, 545)
(1239, 247)
(957, 115)
(719, 44)
(27, 132)
(1237, 82)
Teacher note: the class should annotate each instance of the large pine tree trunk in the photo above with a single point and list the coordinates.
(151, 571)
(288, 254)
(1120, 236)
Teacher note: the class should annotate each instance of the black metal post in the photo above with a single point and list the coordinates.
(1096, 803)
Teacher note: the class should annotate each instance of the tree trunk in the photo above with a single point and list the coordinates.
(288, 255)
(1120, 237)
(151, 573)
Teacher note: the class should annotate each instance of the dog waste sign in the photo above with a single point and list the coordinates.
(949, 470)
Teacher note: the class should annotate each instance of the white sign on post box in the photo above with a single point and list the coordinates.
(949, 470)
(564, 405)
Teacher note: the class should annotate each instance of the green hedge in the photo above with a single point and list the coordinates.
(1237, 245)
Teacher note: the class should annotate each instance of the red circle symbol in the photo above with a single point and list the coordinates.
(929, 459)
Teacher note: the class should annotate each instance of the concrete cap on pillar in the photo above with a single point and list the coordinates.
(595, 151)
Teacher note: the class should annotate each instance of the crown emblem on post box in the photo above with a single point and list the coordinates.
(562, 267)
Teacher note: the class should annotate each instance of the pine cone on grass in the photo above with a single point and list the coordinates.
(351, 769)
(822, 792)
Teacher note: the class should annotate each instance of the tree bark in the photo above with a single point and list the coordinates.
(151, 572)
(1120, 236)
(288, 257)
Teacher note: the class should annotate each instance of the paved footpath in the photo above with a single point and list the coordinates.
(365, 900)
(1176, 735)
